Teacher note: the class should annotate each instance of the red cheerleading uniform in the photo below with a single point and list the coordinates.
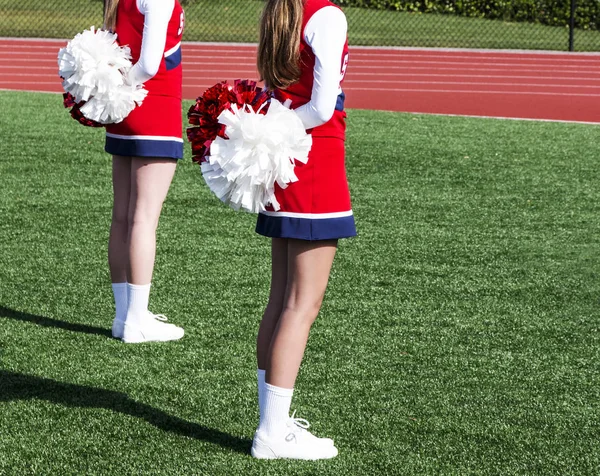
(153, 129)
(317, 206)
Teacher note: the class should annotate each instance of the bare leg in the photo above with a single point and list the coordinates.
(278, 436)
(279, 265)
(309, 264)
(150, 181)
(117, 242)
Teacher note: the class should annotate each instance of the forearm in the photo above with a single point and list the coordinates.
(157, 14)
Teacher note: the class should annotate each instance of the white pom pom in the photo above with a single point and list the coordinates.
(114, 105)
(259, 152)
(94, 68)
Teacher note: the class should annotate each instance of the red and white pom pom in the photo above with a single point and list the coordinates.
(258, 152)
(94, 69)
(204, 114)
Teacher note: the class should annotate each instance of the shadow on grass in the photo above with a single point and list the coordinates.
(6, 313)
(15, 386)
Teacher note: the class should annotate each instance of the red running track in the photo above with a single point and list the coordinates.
(528, 85)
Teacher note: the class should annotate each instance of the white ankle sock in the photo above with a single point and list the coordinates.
(276, 409)
(137, 301)
(120, 295)
(261, 393)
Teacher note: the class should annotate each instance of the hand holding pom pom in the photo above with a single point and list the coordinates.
(94, 70)
(246, 143)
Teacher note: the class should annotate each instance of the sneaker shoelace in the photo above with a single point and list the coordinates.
(298, 425)
(158, 317)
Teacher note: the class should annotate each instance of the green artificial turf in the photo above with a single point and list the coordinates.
(460, 334)
(237, 21)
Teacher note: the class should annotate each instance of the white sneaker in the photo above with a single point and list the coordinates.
(294, 443)
(150, 328)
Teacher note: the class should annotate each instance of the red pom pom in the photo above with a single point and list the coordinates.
(204, 115)
(69, 102)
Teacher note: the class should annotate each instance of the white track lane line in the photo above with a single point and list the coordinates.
(351, 74)
(31, 82)
(425, 68)
(485, 83)
(464, 91)
(505, 118)
(595, 77)
(517, 56)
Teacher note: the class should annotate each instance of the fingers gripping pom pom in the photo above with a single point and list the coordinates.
(94, 70)
(257, 153)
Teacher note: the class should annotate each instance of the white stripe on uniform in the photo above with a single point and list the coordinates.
(159, 138)
(173, 50)
(312, 216)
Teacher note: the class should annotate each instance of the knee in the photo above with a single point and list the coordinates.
(143, 219)
(305, 311)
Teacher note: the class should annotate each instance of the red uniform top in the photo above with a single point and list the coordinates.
(300, 92)
(317, 206)
(130, 27)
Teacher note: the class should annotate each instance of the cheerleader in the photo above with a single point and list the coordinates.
(302, 56)
(145, 149)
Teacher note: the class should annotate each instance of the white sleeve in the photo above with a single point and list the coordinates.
(157, 14)
(326, 34)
